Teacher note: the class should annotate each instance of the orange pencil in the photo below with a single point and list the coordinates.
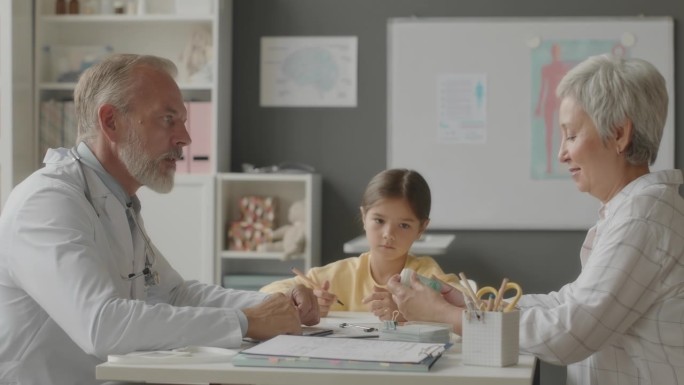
(309, 281)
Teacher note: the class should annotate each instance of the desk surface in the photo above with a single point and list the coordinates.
(448, 370)
(429, 244)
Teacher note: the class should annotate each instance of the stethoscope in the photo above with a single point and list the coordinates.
(151, 276)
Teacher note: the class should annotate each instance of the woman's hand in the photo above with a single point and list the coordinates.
(450, 293)
(418, 302)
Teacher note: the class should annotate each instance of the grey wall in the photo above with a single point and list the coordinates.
(347, 146)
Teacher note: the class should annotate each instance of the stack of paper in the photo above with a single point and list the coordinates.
(186, 355)
(417, 333)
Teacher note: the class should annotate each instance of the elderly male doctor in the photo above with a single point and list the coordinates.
(79, 278)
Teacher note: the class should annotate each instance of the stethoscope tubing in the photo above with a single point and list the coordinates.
(151, 276)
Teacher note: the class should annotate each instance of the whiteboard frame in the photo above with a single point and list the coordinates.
(488, 186)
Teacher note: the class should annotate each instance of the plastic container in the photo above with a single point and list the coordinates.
(405, 278)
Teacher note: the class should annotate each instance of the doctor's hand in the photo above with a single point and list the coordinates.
(275, 315)
(306, 303)
(380, 303)
(418, 302)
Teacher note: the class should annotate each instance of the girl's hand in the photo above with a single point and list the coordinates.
(325, 299)
(380, 303)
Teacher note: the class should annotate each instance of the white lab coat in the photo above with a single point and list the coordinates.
(64, 304)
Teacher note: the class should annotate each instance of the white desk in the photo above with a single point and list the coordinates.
(448, 370)
(429, 244)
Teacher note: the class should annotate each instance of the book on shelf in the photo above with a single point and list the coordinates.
(51, 123)
(58, 126)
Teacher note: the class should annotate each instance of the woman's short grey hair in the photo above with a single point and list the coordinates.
(110, 81)
(612, 90)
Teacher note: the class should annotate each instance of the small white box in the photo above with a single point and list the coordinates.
(492, 339)
(194, 7)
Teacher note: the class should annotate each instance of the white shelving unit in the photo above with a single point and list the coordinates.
(16, 126)
(182, 222)
(181, 225)
(159, 31)
(252, 269)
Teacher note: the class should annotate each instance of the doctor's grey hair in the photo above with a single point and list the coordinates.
(612, 90)
(110, 81)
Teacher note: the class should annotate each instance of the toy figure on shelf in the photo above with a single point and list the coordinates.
(255, 225)
(196, 57)
(290, 238)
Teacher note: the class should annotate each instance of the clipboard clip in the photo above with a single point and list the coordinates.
(366, 329)
(432, 351)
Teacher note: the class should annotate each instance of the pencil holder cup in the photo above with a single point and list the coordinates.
(490, 338)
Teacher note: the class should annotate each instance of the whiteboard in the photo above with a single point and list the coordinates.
(462, 110)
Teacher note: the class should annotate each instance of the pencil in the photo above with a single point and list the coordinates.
(490, 302)
(311, 283)
(469, 291)
(499, 296)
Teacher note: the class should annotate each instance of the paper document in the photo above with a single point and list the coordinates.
(186, 355)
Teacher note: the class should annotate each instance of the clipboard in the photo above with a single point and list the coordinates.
(341, 353)
(242, 359)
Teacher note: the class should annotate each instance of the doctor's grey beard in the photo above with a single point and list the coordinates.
(143, 168)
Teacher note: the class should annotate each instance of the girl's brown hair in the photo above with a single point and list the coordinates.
(399, 183)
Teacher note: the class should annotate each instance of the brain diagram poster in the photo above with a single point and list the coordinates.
(308, 71)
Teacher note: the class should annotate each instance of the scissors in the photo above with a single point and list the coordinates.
(497, 294)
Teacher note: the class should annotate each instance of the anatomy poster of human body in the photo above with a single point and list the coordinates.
(549, 63)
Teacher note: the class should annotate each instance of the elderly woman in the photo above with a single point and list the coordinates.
(622, 320)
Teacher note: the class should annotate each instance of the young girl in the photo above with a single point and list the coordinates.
(395, 210)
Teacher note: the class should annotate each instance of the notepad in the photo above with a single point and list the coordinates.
(418, 333)
(341, 353)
